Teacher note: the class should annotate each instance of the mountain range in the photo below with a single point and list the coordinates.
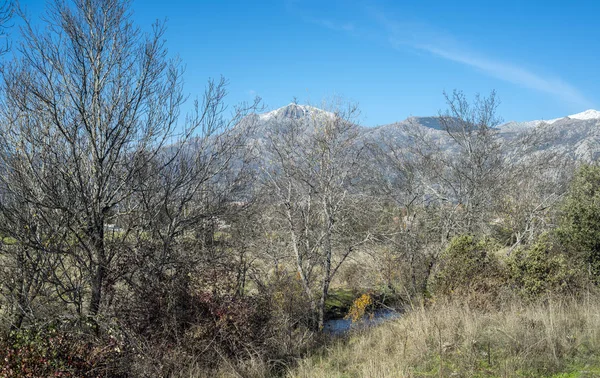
(576, 136)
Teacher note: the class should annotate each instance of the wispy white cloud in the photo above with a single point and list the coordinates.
(513, 74)
(424, 38)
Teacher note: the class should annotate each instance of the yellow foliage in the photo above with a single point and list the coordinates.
(359, 307)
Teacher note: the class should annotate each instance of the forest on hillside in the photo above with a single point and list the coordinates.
(140, 241)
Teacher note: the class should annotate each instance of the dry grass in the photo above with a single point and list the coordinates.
(560, 338)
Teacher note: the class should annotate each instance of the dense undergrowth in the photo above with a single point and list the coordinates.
(553, 338)
(487, 311)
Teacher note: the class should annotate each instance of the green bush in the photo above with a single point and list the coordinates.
(470, 268)
(537, 271)
(579, 230)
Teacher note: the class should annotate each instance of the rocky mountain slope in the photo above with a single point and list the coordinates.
(576, 136)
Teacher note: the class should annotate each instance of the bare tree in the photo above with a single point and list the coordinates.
(474, 178)
(186, 197)
(91, 124)
(7, 10)
(460, 171)
(534, 181)
(441, 181)
(314, 165)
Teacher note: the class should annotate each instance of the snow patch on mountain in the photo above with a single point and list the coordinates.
(588, 114)
(294, 111)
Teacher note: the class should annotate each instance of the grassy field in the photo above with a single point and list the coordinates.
(560, 338)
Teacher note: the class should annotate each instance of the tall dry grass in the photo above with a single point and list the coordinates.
(560, 337)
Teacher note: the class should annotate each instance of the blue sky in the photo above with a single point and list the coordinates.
(394, 58)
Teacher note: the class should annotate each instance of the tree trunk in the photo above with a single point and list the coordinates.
(300, 264)
(99, 271)
(327, 249)
(96, 297)
(22, 304)
(322, 300)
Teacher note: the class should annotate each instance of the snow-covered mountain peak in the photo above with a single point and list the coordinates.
(583, 116)
(293, 111)
(588, 114)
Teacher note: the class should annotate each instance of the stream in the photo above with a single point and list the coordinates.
(339, 327)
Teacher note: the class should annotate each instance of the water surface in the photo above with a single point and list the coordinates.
(341, 326)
